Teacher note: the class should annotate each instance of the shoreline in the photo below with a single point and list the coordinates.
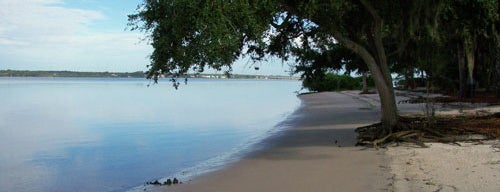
(314, 153)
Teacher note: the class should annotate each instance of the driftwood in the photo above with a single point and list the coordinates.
(420, 129)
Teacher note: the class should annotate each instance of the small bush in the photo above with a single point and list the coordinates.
(334, 82)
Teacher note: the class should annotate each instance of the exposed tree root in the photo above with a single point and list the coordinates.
(420, 129)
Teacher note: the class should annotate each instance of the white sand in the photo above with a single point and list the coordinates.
(442, 167)
(445, 167)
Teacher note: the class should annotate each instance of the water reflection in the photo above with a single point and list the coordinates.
(109, 134)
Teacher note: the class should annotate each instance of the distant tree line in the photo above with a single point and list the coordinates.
(335, 82)
(25, 73)
(137, 74)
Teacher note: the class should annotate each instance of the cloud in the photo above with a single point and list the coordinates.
(45, 35)
(35, 20)
(51, 35)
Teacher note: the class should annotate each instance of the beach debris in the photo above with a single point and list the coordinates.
(444, 129)
(167, 182)
(430, 183)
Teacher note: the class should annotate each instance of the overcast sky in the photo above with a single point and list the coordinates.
(82, 35)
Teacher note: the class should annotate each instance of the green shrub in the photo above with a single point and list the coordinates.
(334, 82)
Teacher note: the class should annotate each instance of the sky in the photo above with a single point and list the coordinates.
(84, 35)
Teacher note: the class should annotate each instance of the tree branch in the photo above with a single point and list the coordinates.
(371, 10)
(400, 47)
(280, 26)
(377, 38)
(364, 54)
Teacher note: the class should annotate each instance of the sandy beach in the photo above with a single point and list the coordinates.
(464, 166)
(446, 167)
(317, 153)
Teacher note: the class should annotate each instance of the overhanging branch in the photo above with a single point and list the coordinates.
(377, 38)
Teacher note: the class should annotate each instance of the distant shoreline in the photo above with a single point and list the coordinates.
(137, 74)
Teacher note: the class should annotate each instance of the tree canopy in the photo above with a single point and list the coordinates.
(197, 34)
(386, 36)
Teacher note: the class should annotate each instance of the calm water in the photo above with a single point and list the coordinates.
(66, 134)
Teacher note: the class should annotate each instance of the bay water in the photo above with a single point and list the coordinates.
(105, 134)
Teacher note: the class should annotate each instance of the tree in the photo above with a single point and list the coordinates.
(313, 65)
(470, 26)
(498, 73)
(197, 34)
(497, 67)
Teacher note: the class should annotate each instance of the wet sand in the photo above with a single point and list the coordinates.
(315, 153)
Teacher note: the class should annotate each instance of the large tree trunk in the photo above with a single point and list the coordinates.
(469, 50)
(365, 83)
(377, 64)
(383, 82)
(388, 106)
(498, 58)
(498, 70)
(462, 72)
(409, 81)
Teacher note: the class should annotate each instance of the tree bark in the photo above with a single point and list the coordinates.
(498, 69)
(407, 80)
(498, 57)
(377, 39)
(384, 88)
(377, 64)
(365, 83)
(469, 49)
(462, 73)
